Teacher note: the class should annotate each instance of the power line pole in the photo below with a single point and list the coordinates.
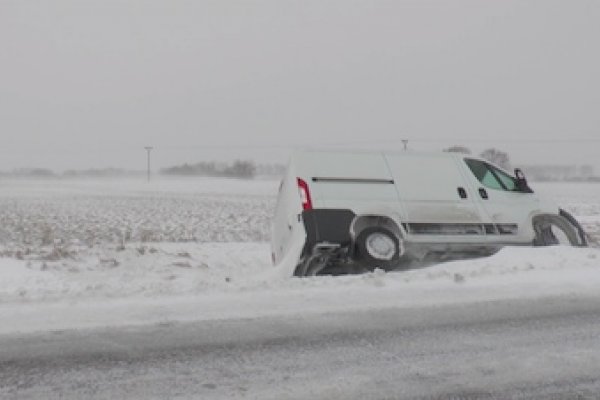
(148, 150)
(405, 143)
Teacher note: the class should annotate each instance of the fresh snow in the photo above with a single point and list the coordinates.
(80, 254)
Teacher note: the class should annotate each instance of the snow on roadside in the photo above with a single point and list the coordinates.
(163, 269)
(154, 292)
(149, 270)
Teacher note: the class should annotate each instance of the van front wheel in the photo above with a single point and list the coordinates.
(556, 230)
(377, 247)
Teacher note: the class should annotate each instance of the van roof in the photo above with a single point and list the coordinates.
(367, 151)
(299, 151)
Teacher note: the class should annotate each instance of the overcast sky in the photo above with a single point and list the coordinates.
(89, 83)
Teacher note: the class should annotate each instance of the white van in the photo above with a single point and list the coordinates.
(348, 212)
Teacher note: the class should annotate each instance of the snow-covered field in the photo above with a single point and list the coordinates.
(89, 253)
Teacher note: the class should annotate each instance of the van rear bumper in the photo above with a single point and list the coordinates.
(327, 225)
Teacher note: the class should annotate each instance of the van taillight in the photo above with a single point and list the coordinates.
(304, 195)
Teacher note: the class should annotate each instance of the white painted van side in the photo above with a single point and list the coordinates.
(338, 179)
(428, 186)
(358, 181)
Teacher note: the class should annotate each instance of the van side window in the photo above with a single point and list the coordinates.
(490, 176)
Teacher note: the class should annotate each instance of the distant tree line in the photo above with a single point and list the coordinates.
(101, 173)
(29, 173)
(238, 169)
(43, 173)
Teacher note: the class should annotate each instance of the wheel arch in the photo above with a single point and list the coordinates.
(390, 222)
(539, 220)
(582, 235)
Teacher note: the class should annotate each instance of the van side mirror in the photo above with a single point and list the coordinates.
(521, 181)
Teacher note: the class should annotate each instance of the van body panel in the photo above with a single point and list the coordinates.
(429, 188)
(346, 177)
(503, 207)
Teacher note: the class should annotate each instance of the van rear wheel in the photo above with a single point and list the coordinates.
(377, 247)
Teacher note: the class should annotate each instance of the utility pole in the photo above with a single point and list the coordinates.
(405, 143)
(148, 149)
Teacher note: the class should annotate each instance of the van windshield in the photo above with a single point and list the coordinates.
(491, 177)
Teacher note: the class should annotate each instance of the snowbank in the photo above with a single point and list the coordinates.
(220, 281)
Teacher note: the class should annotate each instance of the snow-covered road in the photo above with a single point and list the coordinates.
(517, 349)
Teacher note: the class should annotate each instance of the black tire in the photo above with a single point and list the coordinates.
(366, 256)
(547, 226)
(582, 235)
(316, 265)
(322, 264)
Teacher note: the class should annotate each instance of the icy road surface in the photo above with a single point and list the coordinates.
(541, 349)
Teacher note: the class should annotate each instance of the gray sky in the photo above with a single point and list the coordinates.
(89, 83)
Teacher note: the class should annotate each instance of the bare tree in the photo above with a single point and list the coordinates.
(242, 169)
(498, 157)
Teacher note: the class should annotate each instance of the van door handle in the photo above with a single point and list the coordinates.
(483, 193)
(462, 192)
